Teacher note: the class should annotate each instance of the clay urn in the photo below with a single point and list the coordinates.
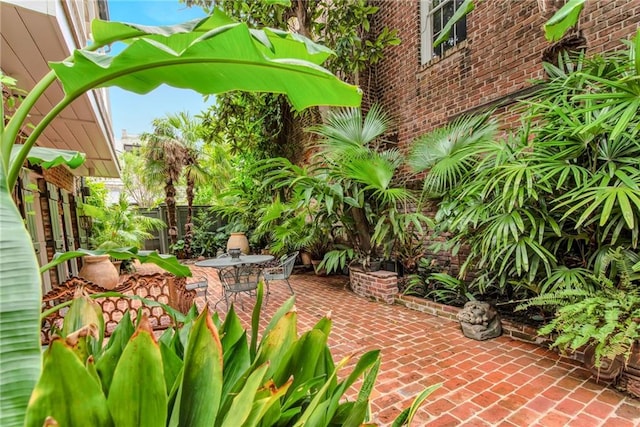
(100, 270)
(240, 241)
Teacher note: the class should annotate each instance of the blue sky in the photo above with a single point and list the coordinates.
(134, 112)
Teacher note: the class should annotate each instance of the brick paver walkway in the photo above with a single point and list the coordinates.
(498, 382)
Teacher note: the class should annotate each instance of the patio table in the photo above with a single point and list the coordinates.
(224, 262)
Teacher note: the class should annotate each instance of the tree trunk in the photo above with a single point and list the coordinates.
(362, 228)
(170, 199)
(188, 226)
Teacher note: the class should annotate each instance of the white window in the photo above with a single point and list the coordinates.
(434, 15)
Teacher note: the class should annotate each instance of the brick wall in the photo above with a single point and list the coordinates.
(503, 51)
(61, 177)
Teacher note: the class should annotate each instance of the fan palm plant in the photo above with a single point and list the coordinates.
(452, 152)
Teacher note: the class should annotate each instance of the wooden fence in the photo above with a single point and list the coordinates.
(160, 240)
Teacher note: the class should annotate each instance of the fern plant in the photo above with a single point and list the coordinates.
(607, 318)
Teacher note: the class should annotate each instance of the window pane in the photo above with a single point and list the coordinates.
(442, 11)
(461, 30)
(437, 28)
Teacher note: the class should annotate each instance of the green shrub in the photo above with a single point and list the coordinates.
(539, 208)
(607, 318)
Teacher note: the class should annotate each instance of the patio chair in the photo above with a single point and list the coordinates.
(239, 280)
(202, 283)
(281, 272)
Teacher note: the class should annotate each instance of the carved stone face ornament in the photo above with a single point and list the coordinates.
(479, 321)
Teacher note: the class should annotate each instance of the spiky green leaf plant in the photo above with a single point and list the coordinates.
(288, 380)
(547, 200)
(66, 392)
(138, 393)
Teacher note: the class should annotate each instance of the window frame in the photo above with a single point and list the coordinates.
(426, 29)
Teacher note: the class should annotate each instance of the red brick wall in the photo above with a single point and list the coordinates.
(503, 50)
(61, 177)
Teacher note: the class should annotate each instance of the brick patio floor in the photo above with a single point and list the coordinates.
(499, 382)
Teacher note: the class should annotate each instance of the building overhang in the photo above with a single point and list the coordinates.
(35, 32)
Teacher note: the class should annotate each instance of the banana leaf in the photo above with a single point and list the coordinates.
(19, 312)
(50, 157)
(167, 262)
(213, 55)
(563, 19)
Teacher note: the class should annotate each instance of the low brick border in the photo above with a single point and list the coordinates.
(383, 286)
(629, 380)
(511, 329)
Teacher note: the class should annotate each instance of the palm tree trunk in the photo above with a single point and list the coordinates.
(362, 228)
(188, 226)
(170, 199)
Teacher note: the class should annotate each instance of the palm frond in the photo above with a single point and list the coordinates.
(346, 128)
(451, 152)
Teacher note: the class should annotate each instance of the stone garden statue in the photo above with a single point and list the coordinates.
(479, 321)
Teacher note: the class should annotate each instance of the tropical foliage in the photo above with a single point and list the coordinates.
(539, 209)
(265, 123)
(205, 372)
(119, 225)
(172, 151)
(136, 187)
(152, 56)
(208, 236)
(352, 187)
(605, 316)
(241, 203)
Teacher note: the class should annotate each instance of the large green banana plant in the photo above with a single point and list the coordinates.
(205, 373)
(211, 55)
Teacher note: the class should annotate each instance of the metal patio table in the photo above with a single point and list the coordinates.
(227, 261)
(237, 284)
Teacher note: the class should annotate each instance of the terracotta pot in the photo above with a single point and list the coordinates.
(306, 258)
(608, 370)
(100, 270)
(117, 265)
(238, 240)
